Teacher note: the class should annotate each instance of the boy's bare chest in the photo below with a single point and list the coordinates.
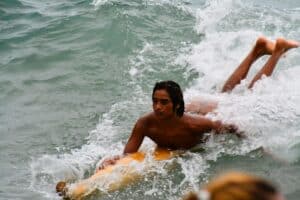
(174, 136)
(162, 132)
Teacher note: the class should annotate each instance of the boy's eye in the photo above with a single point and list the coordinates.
(164, 102)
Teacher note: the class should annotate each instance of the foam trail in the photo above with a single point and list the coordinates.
(269, 114)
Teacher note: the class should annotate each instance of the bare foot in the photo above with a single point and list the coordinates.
(263, 46)
(283, 45)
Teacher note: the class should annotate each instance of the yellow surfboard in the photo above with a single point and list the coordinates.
(112, 177)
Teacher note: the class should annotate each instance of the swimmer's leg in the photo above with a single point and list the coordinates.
(263, 46)
(282, 45)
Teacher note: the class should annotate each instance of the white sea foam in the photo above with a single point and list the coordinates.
(179, 4)
(98, 3)
(214, 11)
(140, 60)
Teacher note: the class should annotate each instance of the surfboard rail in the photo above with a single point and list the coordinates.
(112, 176)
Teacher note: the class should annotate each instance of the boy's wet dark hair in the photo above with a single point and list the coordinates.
(175, 94)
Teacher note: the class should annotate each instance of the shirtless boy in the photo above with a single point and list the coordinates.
(169, 126)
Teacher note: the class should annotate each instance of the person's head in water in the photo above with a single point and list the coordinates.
(237, 186)
(175, 94)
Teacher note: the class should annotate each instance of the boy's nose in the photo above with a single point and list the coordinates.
(158, 106)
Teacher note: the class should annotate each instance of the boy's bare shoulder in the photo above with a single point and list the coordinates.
(146, 119)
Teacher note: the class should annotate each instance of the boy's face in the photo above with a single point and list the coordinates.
(162, 104)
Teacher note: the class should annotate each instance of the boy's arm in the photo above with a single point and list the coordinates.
(136, 138)
(132, 145)
(207, 125)
(221, 128)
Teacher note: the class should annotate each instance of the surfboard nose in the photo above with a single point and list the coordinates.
(60, 188)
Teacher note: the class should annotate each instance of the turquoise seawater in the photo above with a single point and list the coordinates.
(75, 75)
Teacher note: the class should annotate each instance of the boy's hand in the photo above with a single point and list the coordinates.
(109, 161)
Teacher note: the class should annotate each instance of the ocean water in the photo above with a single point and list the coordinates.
(75, 75)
